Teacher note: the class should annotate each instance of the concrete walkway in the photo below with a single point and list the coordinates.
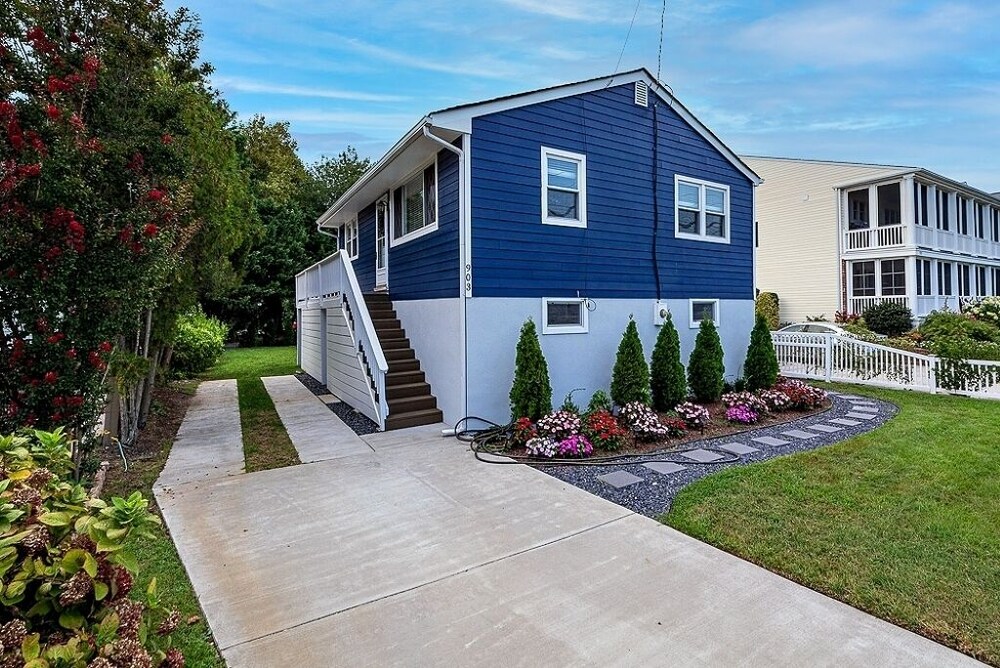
(315, 431)
(209, 442)
(415, 554)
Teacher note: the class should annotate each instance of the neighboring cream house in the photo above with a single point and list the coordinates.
(836, 236)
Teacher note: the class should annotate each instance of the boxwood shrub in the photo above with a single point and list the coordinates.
(199, 342)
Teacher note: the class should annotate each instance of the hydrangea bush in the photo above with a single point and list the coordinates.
(986, 309)
(65, 578)
(559, 425)
(643, 422)
(695, 416)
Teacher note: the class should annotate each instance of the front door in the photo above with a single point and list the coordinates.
(382, 244)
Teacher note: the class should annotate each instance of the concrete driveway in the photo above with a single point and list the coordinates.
(416, 555)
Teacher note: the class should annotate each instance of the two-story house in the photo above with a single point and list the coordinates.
(836, 236)
(578, 206)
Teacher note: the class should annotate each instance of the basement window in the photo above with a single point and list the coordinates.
(704, 309)
(564, 316)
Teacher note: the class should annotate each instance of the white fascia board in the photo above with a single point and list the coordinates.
(875, 178)
(415, 132)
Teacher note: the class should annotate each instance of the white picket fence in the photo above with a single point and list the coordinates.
(836, 358)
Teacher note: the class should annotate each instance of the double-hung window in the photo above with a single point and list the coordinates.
(863, 279)
(944, 279)
(414, 205)
(701, 210)
(564, 188)
(923, 277)
(893, 277)
(351, 239)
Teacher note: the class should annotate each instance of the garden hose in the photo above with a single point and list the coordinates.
(487, 444)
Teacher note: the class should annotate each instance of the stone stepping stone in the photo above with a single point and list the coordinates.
(770, 440)
(825, 428)
(799, 434)
(865, 409)
(665, 468)
(738, 448)
(619, 479)
(702, 455)
(845, 422)
(861, 416)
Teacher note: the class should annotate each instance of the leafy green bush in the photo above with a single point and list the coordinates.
(600, 401)
(949, 324)
(985, 309)
(761, 367)
(199, 342)
(861, 332)
(889, 318)
(64, 575)
(531, 394)
(706, 368)
(767, 305)
(630, 376)
(667, 378)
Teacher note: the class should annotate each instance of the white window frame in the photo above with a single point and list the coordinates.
(701, 184)
(715, 306)
(581, 205)
(426, 229)
(582, 328)
(351, 243)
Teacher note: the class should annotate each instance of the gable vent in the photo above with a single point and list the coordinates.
(641, 93)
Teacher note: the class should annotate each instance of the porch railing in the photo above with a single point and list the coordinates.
(332, 284)
(859, 304)
(875, 237)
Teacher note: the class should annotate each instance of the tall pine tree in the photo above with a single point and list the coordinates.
(706, 368)
(667, 378)
(761, 368)
(531, 394)
(630, 377)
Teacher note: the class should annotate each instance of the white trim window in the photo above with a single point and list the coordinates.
(703, 309)
(564, 188)
(564, 316)
(351, 239)
(701, 210)
(415, 205)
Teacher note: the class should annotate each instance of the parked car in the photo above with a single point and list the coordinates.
(814, 328)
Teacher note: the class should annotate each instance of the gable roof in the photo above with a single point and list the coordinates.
(457, 120)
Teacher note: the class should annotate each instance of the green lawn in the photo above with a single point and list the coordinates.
(903, 522)
(265, 441)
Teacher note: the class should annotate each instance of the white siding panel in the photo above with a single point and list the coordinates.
(798, 232)
(346, 377)
(312, 342)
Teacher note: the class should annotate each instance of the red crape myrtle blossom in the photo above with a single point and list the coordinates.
(75, 166)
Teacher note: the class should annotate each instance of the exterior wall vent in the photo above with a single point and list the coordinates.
(641, 94)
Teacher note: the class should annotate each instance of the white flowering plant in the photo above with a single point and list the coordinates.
(559, 425)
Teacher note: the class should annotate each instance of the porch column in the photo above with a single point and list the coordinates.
(911, 283)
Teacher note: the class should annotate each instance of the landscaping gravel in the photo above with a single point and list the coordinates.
(652, 497)
(360, 424)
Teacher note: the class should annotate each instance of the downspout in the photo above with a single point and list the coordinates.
(463, 261)
(656, 198)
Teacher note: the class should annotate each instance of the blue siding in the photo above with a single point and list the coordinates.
(515, 255)
(428, 267)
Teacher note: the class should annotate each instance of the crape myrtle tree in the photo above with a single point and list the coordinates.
(95, 205)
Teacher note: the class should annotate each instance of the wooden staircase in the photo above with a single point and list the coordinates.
(407, 392)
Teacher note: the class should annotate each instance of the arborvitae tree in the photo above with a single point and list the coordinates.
(667, 378)
(531, 395)
(760, 371)
(630, 377)
(706, 367)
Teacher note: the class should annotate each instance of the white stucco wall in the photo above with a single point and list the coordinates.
(579, 360)
(436, 330)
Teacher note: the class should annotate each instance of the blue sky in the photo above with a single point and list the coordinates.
(912, 83)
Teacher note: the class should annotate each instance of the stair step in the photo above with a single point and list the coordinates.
(386, 324)
(394, 378)
(404, 365)
(389, 334)
(411, 404)
(394, 344)
(413, 419)
(399, 354)
(407, 390)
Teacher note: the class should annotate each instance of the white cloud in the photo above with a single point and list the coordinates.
(356, 120)
(466, 66)
(252, 86)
